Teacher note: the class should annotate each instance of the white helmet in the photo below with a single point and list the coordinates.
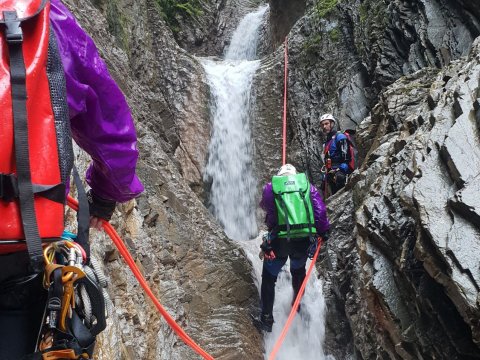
(328, 117)
(287, 169)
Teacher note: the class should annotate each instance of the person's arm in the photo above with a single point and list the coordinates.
(101, 121)
(268, 205)
(319, 211)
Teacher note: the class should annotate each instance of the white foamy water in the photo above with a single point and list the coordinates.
(245, 38)
(305, 339)
(229, 166)
(233, 187)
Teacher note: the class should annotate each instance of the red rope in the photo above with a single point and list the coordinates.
(284, 145)
(293, 312)
(131, 263)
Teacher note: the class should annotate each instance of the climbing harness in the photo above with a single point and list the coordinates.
(295, 305)
(143, 283)
(352, 154)
(77, 304)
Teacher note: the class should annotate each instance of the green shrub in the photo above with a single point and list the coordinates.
(171, 9)
(334, 35)
(323, 7)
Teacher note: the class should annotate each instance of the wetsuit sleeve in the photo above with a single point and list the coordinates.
(268, 205)
(319, 211)
(101, 120)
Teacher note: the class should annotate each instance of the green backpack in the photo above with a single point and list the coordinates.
(294, 207)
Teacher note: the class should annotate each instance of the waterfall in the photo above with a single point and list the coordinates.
(229, 166)
(233, 187)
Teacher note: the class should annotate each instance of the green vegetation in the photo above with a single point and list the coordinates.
(373, 11)
(373, 22)
(117, 23)
(172, 9)
(324, 7)
(334, 35)
(310, 45)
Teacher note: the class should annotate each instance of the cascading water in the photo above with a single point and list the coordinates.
(233, 186)
(229, 166)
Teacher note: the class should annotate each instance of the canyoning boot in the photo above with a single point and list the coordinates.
(264, 322)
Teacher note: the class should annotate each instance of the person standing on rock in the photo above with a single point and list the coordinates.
(82, 99)
(338, 155)
(295, 217)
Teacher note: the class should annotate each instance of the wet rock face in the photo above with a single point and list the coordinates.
(178, 110)
(343, 54)
(202, 279)
(402, 265)
(283, 15)
(207, 30)
(416, 235)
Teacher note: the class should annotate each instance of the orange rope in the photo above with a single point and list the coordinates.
(293, 312)
(131, 263)
(284, 144)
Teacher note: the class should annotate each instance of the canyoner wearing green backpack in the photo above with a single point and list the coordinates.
(294, 208)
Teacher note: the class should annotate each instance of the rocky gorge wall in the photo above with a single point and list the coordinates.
(402, 267)
(200, 276)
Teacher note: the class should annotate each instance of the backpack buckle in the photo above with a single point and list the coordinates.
(13, 31)
(8, 187)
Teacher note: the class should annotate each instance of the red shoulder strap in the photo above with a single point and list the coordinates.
(328, 144)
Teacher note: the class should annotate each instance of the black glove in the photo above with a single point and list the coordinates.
(266, 247)
(313, 247)
(325, 236)
(100, 207)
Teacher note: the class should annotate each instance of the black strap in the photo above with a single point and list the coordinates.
(51, 192)
(83, 215)
(285, 214)
(9, 189)
(37, 11)
(55, 295)
(293, 227)
(14, 38)
(304, 197)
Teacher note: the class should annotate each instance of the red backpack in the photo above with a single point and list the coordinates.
(36, 154)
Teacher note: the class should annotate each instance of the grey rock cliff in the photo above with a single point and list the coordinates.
(401, 270)
(202, 278)
(413, 279)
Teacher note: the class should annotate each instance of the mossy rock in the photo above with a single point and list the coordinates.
(324, 7)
